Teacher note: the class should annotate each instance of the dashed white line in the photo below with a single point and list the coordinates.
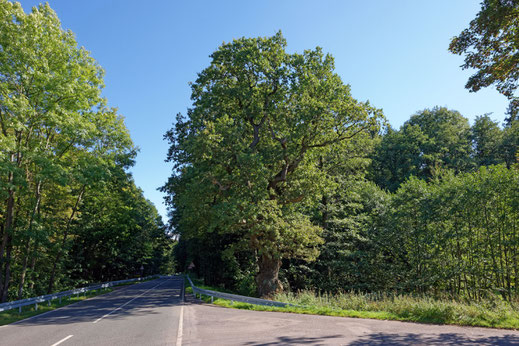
(62, 340)
(180, 325)
(128, 302)
(58, 309)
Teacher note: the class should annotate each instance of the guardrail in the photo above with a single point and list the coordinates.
(234, 297)
(49, 297)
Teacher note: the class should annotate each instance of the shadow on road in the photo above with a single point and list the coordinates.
(326, 334)
(165, 295)
(440, 339)
(287, 340)
(387, 339)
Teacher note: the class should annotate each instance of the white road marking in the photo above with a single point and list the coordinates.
(100, 296)
(128, 302)
(62, 340)
(180, 325)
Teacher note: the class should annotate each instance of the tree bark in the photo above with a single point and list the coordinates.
(267, 278)
(24, 269)
(33, 265)
(28, 241)
(5, 245)
(7, 276)
(63, 241)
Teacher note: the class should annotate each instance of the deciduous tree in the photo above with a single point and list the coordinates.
(247, 154)
(491, 46)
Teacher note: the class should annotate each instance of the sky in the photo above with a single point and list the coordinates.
(391, 52)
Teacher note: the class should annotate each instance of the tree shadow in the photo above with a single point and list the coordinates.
(165, 295)
(439, 339)
(384, 338)
(288, 340)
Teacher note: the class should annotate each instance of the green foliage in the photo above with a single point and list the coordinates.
(404, 308)
(412, 308)
(457, 234)
(278, 170)
(117, 232)
(491, 46)
(247, 156)
(509, 147)
(350, 218)
(487, 137)
(62, 151)
(430, 141)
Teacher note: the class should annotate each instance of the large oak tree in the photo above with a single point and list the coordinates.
(247, 155)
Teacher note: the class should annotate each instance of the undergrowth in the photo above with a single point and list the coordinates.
(495, 313)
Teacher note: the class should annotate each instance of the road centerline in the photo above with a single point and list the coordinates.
(62, 340)
(128, 302)
(180, 326)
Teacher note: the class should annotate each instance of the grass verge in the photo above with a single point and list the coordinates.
(13, 315)
(495, 314)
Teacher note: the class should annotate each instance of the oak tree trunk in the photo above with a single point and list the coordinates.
(267, 279)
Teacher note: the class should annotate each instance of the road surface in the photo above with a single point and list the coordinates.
(140, 314)
(153, 313)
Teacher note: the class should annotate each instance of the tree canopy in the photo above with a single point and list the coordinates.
(491, 46)
(431, 140)
(60, 145)
(247, 154)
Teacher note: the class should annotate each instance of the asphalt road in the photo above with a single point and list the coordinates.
(212, 325)
(152, 313)
(142, 314)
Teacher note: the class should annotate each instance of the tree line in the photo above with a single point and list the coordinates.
(70, 212)
(282, 180)
(451, 233)
(401, 213)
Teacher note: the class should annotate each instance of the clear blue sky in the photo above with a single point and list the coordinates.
(392, 53)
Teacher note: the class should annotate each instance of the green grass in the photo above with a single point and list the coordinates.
(495, 314)
(13, 315)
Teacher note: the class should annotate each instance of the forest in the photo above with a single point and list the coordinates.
(70, 212)
(282, 181)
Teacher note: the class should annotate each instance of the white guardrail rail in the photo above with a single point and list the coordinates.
(49, 297)
(234, 297)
